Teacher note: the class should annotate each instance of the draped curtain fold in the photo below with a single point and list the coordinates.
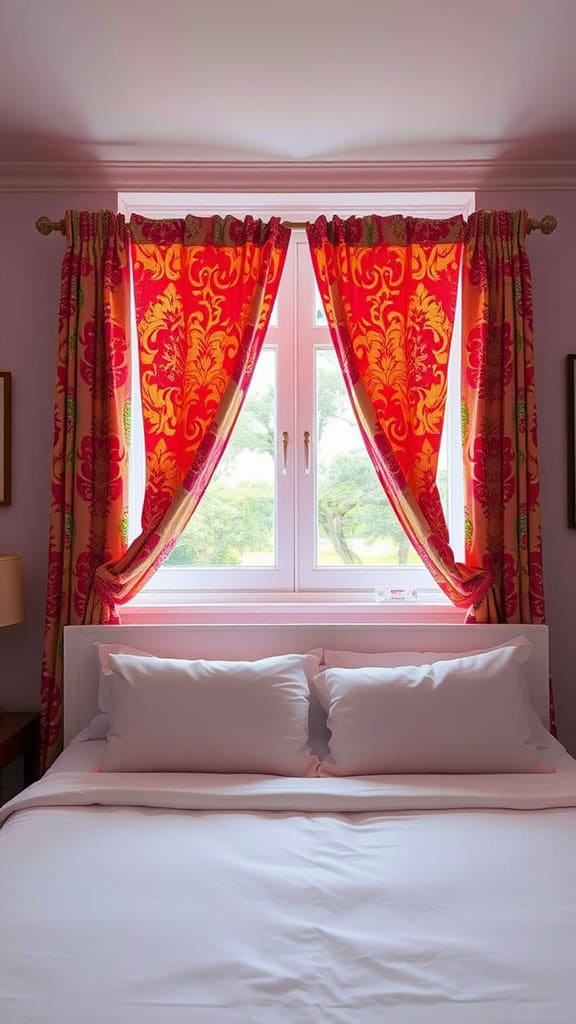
(389, 285)
(204, 290)
(89, 491)
(502, 494)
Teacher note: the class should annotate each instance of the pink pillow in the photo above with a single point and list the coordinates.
(393, 659)
(466, 715)
(170, 715)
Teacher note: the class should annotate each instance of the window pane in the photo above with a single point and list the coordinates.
(274, 318)
(234, 524)
(319, 314)
(355, 524)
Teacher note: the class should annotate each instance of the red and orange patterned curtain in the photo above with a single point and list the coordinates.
(502, 494)
(389, 287)
(204, 290)
(88, 511)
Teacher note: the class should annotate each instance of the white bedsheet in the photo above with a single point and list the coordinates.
(339, 906)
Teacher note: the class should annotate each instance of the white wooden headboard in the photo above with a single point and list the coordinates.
(260, 641)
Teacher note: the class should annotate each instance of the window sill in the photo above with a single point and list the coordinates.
(274, 608)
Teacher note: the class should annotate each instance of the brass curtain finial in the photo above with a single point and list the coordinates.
(46, 226)
(547, 225)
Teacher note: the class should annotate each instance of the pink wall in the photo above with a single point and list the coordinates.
(29, 273)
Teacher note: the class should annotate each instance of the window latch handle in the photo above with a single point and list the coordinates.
(285, 440)
(307, 443)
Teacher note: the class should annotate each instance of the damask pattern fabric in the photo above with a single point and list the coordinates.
(204, 290)
(88, 511)
(502, 493)
(388, 285)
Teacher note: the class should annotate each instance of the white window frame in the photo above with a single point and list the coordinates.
(294, 576)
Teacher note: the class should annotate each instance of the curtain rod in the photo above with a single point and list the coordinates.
(547, 225)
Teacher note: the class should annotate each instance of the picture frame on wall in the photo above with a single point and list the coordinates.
(5, 437)
(571, 437)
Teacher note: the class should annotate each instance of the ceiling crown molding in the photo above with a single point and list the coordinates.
(285, 176)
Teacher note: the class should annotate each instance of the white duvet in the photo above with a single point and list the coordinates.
(189, 899)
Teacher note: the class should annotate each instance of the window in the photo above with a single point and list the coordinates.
(295, 504)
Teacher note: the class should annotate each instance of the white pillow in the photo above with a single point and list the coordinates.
(106, 671)
(466, 715)
(97, 728)
(210, 716)
(394, 659)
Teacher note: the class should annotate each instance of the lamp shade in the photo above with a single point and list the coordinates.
(11, 590)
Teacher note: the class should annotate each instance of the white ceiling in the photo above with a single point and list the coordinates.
(298, 80)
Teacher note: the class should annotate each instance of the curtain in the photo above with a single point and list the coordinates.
(88, 509)
(502, 494)
(204, 289)
(389, 285)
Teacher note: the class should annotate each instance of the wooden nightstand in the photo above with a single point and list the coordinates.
(20, 734)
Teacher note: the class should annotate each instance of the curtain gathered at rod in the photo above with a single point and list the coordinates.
(546, 224)
(502, 491)
(89, 491)
(204, 290)
(388, 285)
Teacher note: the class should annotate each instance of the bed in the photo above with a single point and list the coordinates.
(190, 898)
